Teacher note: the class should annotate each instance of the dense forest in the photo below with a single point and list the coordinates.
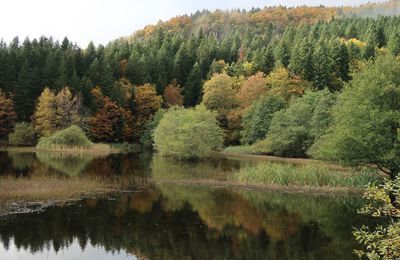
(113, 91)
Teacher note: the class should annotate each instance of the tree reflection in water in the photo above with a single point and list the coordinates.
(189, 222)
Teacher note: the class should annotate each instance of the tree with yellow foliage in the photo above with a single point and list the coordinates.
(147, 102)
(44, 118)
(281, 83)
(7, 114)
(68, 109)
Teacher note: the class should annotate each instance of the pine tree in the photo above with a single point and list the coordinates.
(340, 60)
(322, 78)
(193, 88)
(301, 62)
(394, 43)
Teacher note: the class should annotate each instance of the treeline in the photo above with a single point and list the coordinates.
(120, 86)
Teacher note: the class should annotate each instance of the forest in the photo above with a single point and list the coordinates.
(115, 89)
(312, 86)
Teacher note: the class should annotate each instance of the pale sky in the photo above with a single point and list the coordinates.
(106, 20)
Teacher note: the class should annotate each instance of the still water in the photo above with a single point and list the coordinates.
(169, 221)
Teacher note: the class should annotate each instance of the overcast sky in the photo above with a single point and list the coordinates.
(105, 20)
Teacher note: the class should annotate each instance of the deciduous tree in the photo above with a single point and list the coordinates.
(8, 116)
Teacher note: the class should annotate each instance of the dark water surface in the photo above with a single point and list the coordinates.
(168, 221)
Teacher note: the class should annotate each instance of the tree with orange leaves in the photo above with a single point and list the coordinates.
(253, 88)
(104, 124)
(173, 95)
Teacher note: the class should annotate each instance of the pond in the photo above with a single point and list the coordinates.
(170, 221)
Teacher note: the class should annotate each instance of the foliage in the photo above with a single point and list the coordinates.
(122, 93)
(70, 138)
(218, 93)
(45, 113)
(366, 120)
(257, 119)
(54, 112)
(283, 84)
(147, 138)
(294, 130)
(68, 109)
(253, 88)
(7, 114)
(23, 135)
(147, 102)
(173, 95)
(384, 241)
(111, 123)
(188, 133)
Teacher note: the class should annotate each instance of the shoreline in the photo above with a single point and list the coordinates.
(29, 205)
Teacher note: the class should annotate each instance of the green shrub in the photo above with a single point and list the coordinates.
(70, 138)
(188, 133)
(24, 135)
(382, 241)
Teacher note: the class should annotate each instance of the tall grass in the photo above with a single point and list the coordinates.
(312, 175)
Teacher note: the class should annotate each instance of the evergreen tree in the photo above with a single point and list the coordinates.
(193, 88)
(394, 44)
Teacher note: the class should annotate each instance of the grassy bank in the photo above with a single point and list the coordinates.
(47, 188)
(97, 149)
(272, 173)
(310, 175)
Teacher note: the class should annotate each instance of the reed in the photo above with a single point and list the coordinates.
(311, 175)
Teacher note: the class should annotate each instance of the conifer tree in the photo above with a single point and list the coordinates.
(193, 88)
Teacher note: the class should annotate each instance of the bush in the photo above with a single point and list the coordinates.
(70, 138)
(382, 241)
(24, 135)
(188, 133)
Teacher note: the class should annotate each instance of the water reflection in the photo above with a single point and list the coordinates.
(20, 164)
(173, 221)
(179, 222)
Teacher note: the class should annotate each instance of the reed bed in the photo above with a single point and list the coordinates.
(311, 175)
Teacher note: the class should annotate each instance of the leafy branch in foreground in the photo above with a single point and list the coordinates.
(384, 241)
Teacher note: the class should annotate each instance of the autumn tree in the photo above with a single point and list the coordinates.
(283, 84)
(44, 118)
(218, 93)
(253, 88)
(147, 102)
(68, 109)
(173, 95)
(103, 126)
(7, 114)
